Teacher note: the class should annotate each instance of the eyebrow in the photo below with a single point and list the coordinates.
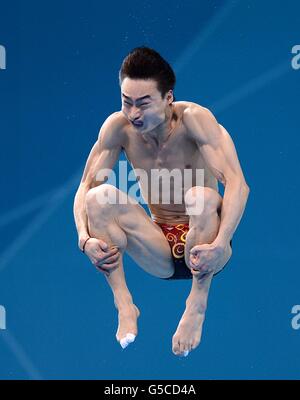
(140, 98)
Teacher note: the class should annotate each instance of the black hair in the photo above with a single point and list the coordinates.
(146, 63)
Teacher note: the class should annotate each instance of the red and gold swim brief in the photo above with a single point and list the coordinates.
(176, 237)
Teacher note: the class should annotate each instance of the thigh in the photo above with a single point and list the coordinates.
(146, 243)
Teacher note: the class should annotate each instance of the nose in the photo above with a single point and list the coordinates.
(134, 114)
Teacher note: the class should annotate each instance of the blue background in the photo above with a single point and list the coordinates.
(60, 84)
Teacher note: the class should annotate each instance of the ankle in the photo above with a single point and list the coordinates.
(195, 307)
(123, 302)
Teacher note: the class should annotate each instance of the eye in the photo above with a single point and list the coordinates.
(144, 104)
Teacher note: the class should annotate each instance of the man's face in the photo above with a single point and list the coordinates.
(142, 103)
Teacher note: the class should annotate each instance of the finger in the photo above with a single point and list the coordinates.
(194, 266)
(112, 250)
(103, 245)
(199, 268)
(195, 250)
(110, 267)
(104, 260)
(195, 272)
(106, 255)
(111, 259)
(195, 269)
(199, 248)
(198, 274)
(194, 261)
(193, 257)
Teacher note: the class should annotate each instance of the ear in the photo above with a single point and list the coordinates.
(170, 96)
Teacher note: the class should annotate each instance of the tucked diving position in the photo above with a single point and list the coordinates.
(187, 239)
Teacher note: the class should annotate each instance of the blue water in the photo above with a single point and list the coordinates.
(59, 85)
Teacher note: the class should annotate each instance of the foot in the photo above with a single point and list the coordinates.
(127, 329)
(188, 334)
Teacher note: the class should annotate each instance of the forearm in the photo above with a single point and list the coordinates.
(80, 216)
(233, 206)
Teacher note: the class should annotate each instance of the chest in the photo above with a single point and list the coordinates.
(177, 152)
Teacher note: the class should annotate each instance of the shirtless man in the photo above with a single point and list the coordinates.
(156, 132)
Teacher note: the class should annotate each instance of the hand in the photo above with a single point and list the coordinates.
(206, 258)
(105, 259)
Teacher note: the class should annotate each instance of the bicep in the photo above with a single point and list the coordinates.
(221, 157)
(217, 148)
(102, 158)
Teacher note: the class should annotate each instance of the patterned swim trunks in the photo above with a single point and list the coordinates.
(176, 237)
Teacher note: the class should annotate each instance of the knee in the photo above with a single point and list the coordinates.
(209, 199)
(100, 198)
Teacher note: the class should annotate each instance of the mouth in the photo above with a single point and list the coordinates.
(137, 124)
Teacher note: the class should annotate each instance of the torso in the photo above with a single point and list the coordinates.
(178, 151)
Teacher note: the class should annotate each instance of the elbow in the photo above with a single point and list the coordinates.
(239, 183)
(247, 188)
(246, 191)
(243, 188)
(82, 189)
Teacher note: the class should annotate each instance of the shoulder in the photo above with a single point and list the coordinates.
(200, 122)
(112, 131)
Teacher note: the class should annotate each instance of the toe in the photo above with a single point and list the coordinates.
(124, 343)
(130, 337)
(183, 349)
(195, 344)
(175, 347)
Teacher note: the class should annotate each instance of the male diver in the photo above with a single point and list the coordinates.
(157, 132)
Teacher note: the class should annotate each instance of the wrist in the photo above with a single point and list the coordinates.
(82, 241)
(221, 242)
